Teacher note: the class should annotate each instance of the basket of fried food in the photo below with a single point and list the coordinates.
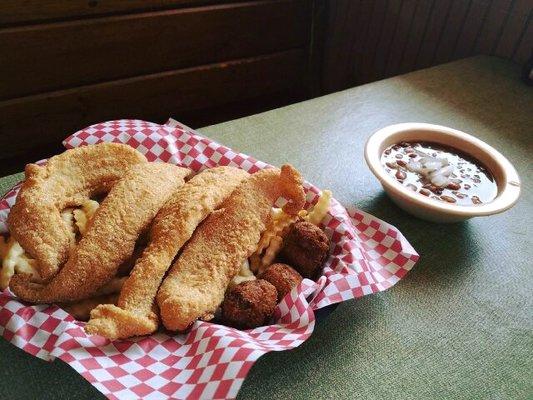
(133, 246)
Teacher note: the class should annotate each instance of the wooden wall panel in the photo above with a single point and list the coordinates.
(53, 56)
(432, 35)
(471, 29)
(69, 64)
(401, 33)
(492, 27)
(47, 118)
(525, 46)
(386, 36)
(35, 11)
(365, 65)
(449, 35)
(413, 41)
(336, 57)
(515, 23)
(398, 36)
(365, 12)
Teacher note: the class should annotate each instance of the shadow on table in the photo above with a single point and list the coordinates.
(445, 249)
(21, 368)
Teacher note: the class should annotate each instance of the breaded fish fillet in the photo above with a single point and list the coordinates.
(65, 181)
(111, 235)
(196, 283)
(172, 227)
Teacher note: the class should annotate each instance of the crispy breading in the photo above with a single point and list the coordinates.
(305, 248)
(125, 213)
(249, 304)
(172, 227)
(283, 277)
(65, 181)
(196, 283)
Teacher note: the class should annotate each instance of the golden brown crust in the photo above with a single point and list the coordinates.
(66, 180)
(196, 283)
(306, 248)
(110, 239)
(172, 227)
(249, 304)
(283, 277)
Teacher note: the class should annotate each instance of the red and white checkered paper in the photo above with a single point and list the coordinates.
(211, 361)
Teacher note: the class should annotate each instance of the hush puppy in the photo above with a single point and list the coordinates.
(249, 304)
(306, 248)
(283, 277)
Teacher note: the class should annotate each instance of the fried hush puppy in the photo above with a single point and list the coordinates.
(111, 235)
(283, 277)
(306, 248)
(249, 304)
(67, 180)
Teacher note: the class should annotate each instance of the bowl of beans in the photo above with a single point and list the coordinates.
(441, 174)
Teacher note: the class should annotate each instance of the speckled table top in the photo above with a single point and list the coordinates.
(460, 325)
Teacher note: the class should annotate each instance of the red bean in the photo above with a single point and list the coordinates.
(390, 165)
(401, 162)
(387, 152)
(476, 200)
(448, 199)
(431, 187)
(399, 156)
(400, 175)
(409, 150)
(412, 155)
(411, 186)
(425, 192)
(467, 186)
(453, 186)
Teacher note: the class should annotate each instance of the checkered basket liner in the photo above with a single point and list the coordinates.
(210, 361)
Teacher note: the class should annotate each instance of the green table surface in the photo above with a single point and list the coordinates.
(460, 324)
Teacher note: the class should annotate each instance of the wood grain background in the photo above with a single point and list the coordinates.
(367, 40)
(67, 64)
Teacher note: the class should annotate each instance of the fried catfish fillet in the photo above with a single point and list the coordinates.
(65, 181)
(126, 212)
(174, 224)
(196, 283)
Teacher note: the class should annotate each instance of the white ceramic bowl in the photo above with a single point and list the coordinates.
(423, 207)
